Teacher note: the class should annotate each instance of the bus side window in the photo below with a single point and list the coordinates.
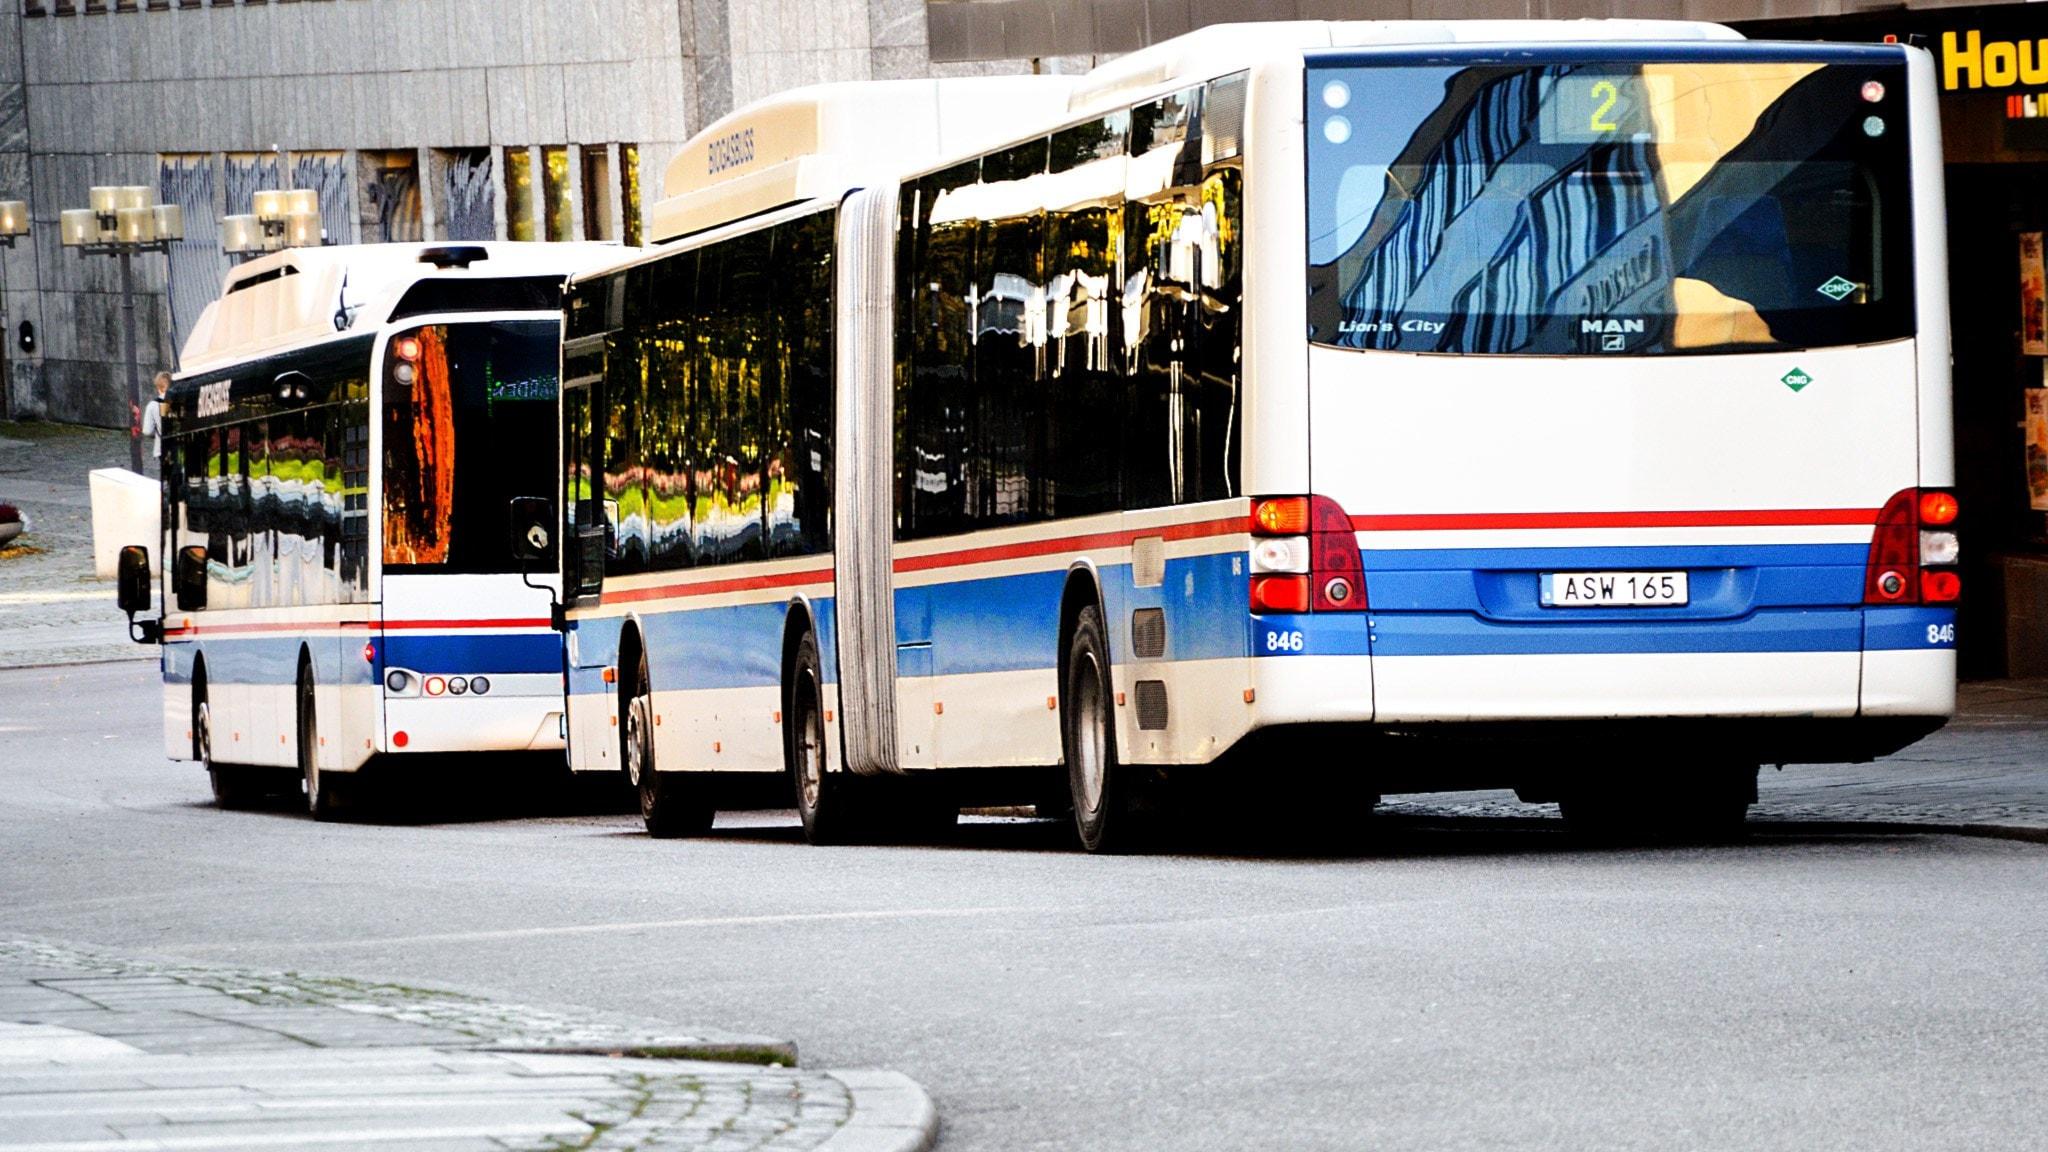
(797, 397)
(1084, 324)
(667, 347)
(935, 394)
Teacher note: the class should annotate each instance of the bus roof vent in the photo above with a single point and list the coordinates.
(453, 255)
(827, 139)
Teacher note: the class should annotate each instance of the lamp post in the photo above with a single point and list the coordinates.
(13, 226)
(283, 218)
(121, 223)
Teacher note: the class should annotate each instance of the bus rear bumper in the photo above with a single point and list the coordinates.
(472, 724)
(1774, 707)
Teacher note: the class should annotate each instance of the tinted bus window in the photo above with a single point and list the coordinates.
(473, 428)
(1609, 206)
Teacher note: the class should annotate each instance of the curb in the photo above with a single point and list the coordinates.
(890, 1113)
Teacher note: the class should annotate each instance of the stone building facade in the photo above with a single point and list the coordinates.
(415, 119)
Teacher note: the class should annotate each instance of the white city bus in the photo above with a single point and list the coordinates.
(338, 452)
(1342, 407)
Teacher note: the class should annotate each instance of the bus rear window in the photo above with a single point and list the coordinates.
(1609, 207)
(469, 423)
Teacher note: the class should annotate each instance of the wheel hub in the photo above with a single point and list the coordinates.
(1089, 758)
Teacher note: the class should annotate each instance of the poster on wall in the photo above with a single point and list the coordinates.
(2033, 297)
(2037, 448)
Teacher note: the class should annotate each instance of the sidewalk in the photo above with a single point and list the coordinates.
(105, 1051)
(52, 611)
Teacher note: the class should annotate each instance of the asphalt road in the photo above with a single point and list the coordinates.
(1472, 983)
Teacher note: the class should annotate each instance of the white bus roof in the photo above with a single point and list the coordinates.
(826, 139)
(293, 296)
(1221, 48)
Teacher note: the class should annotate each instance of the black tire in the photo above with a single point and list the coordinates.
(1108, 815)
(670, 805)
(235, 786)
(830, 804)
(328, 794)
(1694, 803)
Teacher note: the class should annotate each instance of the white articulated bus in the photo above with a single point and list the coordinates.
(1366, 406)
(338, 452)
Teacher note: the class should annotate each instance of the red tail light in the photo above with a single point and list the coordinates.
(1280, 593)
(1336, 579)
(1898, 569)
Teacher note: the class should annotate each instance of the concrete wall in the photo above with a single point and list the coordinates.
(97, 97)
(963, 30)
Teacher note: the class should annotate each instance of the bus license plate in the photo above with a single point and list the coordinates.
(1614, 589)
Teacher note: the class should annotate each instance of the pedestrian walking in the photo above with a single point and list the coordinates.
(153, 420)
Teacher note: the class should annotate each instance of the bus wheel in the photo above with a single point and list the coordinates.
(669, 806)
(825, 801)
(234, 785)
(1105, 815)
(326, 794)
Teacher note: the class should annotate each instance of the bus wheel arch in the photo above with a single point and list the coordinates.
(799, 621)
(325, 793)
(672, 804)
(1083, 588)
(1105, 796)
(195, 701)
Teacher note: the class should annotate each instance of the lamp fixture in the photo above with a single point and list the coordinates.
(280, 218)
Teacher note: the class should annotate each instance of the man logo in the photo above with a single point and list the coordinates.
(1610, 327)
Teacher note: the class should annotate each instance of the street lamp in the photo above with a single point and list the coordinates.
(122, 222)
(283, 218)
(13, 226)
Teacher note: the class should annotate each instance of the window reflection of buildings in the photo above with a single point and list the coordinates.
(1071, 324)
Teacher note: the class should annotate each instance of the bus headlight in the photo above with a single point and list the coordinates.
(399, 682)
(478, 685)
(457, 685)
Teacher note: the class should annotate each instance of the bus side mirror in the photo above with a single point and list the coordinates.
(131, 579)
(188, 578)
(532, 528)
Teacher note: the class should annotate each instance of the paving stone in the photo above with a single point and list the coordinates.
(216, 1058)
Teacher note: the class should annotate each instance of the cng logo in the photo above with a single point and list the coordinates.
(1795, 379)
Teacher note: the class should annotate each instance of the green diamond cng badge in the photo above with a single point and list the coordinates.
(1795, 379)
(1836, 288)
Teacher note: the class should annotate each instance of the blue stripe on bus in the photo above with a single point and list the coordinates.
(1746, 598)
(274, 659)
(268, 660)
(1772, 630)
(471, 652)
(1664, 557)
(1910, 629)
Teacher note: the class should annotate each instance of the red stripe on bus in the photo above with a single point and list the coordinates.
(960, 558)
(386, 625)
(1027, 548)
(1474, 521)
(714, 587)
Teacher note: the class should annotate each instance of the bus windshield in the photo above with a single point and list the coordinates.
(469, 423)
(1606, 206)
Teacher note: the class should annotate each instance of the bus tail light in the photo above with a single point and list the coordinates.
(1280, 594)
(1304, 556)
(1914, 549)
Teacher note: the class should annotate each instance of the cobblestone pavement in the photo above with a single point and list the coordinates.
(52, 610)
(100, 1050)
(1983, 771)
